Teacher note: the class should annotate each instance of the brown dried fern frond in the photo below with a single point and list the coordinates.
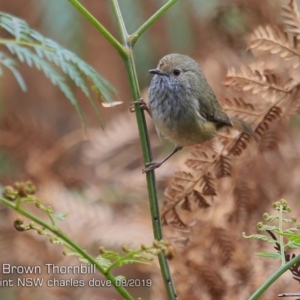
(274, 40)
(273, 114)
(250, 79)
(199, 200)
(269, 141)
(208, 265)
(223, 167)
(240, 144)
(291, 18)
(211, 280)
(238, 105)
(187, 194)
(182, 184)
(207, 184)
(174, 220)
(200, 185)
(203, 154)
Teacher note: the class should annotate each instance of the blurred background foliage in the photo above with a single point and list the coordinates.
(98, 180)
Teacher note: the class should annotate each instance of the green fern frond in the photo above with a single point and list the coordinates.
(30, 47)
(26, 56)
(12, 66)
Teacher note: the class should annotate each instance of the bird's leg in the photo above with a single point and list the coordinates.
(154, 165)
(143, 106)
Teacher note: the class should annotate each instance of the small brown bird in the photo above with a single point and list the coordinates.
(183, 106)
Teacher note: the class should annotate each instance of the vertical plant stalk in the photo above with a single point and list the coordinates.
(125, 51)
(282, 254)
(144, 138)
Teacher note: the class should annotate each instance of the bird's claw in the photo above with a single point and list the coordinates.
(143, 105)
(151, 166)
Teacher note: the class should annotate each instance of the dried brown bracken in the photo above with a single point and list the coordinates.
(210, 162)
(238, 175)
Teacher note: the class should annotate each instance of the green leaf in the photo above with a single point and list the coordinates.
(268, 254)
(294, 238)
(259, 237)
(83, 260)
(120, 278)
(32, 59)
(268, 227)
(289, 232)
(271, 218)
(105, 263)
(292, 245)
(60, 216)
(12, 66)
(57, 241)
(111, 255)
(289, 221)
(134, 261)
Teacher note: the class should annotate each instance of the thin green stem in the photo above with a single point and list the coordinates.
(281, 242)
(70, 243)
(135, 36)
(120, 22)
(18, 202)
(273, 278)
(114, 42)
(150, 176)
(144, 138)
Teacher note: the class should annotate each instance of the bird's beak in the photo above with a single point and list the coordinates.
(158, 72)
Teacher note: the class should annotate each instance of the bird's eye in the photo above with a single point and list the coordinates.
(176, 72)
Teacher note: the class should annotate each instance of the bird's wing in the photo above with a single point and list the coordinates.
(212, 111)
(220, 117)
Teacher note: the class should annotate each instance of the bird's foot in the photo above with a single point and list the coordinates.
(143, 105)
(151, 166)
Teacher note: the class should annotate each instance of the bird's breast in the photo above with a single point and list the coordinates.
(176, 114)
